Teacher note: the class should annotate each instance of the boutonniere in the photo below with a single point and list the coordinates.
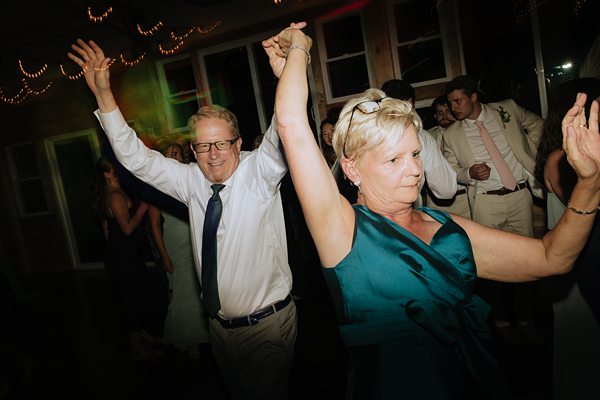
(504, 116)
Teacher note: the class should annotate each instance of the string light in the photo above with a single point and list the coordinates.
(150, 31)
(25, 91)
(71, 77)
(17, 98)
(34, 74)
(210, 28)
(35, 92)
(96, 19)
(22, 94)
(182, 37)
(173, 50)
(131, 63)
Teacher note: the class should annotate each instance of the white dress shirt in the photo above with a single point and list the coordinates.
(253, 270)
(440, 176)
(481, 154)
(438, 134)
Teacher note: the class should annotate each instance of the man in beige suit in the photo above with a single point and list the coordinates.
(492, 148)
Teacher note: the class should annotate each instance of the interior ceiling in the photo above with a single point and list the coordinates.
(38, 32)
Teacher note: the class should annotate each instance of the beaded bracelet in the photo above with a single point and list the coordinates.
(582, 212)
(294, 46)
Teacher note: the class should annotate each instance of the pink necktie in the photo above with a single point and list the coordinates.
(507, 178)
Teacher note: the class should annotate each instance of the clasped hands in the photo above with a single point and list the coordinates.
(278, 46)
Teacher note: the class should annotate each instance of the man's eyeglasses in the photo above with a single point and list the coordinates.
(220, 145)
(366, 107)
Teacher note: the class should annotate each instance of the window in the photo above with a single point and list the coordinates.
(420, 54)
(238, 76)
(343, 57)
(180, 90)
(25, 172)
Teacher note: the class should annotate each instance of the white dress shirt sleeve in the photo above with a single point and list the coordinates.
(440, 176)
(271, 163)
(148, 165)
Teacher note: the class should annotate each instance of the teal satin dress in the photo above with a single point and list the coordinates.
(408, 316)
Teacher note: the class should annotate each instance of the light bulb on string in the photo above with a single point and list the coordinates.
(131, 63)
(32, 75)
(99, 18)
(150, 31)
(210, 28)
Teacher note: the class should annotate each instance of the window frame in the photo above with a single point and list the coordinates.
(16, 180)
(246, 42)
(324, 60)
(167, 96)
(395, 45)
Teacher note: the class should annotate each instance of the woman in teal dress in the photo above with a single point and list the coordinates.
(404, 277)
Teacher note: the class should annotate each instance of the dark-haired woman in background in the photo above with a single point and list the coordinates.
(327, 128)
(124, 260)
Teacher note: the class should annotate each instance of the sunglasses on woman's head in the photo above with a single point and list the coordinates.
(366, 107)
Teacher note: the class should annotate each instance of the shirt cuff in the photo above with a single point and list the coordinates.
(111, 120)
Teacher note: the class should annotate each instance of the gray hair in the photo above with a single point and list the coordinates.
(217, 112)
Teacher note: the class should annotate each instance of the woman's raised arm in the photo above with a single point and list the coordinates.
(329, 216)
(506, 256)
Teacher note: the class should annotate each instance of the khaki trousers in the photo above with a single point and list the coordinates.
(255, 360)
(458, 205)
(514, 213)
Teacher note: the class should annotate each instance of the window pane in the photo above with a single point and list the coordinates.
(348, 76)
(180, 76)
(182, 109)
(34, 199)
(24, 159)
(76, 164)
(230, 85)
(505, 63)
(422, 61)
(267, 80)
(415, 19)
(268, 84)
(568, 31)
(343, 36)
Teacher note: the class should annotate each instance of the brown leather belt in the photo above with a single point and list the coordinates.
(461, 191)
(503, 191)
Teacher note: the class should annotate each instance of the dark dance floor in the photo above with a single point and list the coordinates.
(70, 342)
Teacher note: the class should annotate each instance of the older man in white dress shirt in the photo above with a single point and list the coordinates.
(253, 326)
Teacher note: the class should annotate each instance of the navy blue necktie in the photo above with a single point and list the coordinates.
(209, 252)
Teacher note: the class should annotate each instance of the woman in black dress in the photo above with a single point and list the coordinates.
(124, 253)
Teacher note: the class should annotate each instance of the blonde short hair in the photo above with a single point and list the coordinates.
(217, 112)
(368, 130)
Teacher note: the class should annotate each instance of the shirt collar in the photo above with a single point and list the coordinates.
(483, 116)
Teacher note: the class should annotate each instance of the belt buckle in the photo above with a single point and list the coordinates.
(227, 323)
(252, 320)
(503, 191)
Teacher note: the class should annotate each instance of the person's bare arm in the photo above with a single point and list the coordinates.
(329, 216)
(157, 236)
(506, 256)
(117, 204)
